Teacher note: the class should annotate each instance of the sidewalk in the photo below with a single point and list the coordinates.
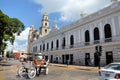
(2, 68)
(6, 66)
(76, 67)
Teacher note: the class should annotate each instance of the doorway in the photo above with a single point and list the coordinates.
(51, 59)
(87, 59)
(109, 57)
(46, 58)
(71, 58)
(63, 59)
(67, 58)
(56, 60)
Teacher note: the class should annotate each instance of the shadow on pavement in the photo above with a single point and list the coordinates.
(4, 63)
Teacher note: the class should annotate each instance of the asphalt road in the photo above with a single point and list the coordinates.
(55, 73)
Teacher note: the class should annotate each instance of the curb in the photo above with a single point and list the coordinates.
(86, 68)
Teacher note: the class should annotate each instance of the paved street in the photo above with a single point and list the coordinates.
(56, 72)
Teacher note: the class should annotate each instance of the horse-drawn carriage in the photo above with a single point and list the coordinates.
(33, 65)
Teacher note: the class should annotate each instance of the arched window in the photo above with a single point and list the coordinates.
(52, 45)
(45, 30)
(45, 24)
(71, 41)
(40, 48)
(108, 34)
(57, 44)
(36, 48)
(63, 43)
(43, 47)
(87, 37)
(96, 35)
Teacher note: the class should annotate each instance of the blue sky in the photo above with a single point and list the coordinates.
(61, 12)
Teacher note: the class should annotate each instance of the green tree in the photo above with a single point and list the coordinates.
(8, 54)
(8, 28)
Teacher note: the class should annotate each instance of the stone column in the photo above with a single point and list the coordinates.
(83, 36)
(101, 32)
(91, 34)
(113, 27)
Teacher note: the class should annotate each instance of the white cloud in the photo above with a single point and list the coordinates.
(20, 42)
(23, 35)
(70, 9)
(51, 5)
(63, 18)
(23, 47)
(17, 46)
(11, 47)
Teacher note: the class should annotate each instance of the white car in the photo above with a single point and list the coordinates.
(110, 72)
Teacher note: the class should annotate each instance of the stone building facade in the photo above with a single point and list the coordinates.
(76, 42)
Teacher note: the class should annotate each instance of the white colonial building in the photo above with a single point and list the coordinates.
(76, 42)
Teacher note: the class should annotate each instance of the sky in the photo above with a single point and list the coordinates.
(61, 12)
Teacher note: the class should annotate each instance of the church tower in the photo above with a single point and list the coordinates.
(44, 29)
(30, 38)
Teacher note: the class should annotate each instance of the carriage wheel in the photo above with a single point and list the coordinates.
(31, 72)
(21, 71)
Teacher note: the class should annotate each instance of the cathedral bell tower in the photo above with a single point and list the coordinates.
(44, 29)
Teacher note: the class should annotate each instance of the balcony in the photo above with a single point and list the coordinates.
(71, 46)
(87, 43)
(51, 49)
(108, 40)
(96, 41)
(63, 47)
(57, 48)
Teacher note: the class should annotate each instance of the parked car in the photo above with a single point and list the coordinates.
(110, 72)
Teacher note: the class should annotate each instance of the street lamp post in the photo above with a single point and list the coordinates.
(99, 61)
(98, 53)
